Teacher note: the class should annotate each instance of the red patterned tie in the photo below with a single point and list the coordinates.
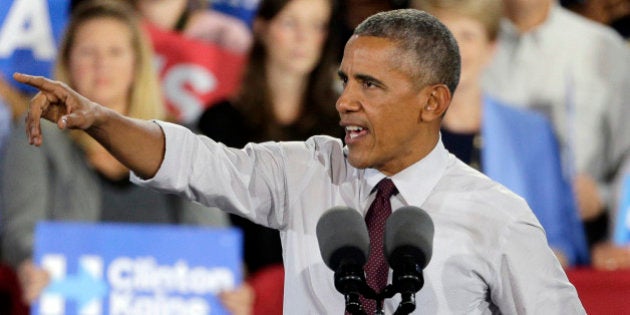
(376, 269)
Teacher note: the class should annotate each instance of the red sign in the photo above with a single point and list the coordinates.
(194, 74)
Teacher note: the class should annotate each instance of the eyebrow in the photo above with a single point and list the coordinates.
(341, 74)
(360, 77)
(365, 78)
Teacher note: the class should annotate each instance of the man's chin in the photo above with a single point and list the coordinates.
(357, 162)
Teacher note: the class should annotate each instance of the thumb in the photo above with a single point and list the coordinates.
(71, 121)
(62, 123)
(79, 119)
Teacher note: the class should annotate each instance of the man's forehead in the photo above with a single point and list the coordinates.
(370, 42)
(370, 51)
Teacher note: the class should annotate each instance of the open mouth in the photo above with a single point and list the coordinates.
(353, 132)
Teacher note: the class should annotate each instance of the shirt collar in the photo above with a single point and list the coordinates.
(415, 182)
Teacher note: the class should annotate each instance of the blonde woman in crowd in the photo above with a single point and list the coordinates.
(104, 55)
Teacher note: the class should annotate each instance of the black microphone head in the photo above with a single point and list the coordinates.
(343, 237)
(408, 234)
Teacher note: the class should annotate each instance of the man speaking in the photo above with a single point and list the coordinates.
(399, 71)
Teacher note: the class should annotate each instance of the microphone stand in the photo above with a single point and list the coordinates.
(406, 280)
(387, 293)
(353, 304)
(354, 307)
(351, 282)
(407, 304)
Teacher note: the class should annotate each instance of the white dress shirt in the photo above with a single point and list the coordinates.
(490, 255)
(577, 72)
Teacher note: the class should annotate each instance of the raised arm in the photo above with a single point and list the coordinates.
(137, 144)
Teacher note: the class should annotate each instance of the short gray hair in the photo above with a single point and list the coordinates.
(437, 58)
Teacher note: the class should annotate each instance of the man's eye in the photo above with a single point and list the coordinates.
(368, 84)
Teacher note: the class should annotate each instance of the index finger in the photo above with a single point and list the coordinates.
(37, 82)
(54, 90)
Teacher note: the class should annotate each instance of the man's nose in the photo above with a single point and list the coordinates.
(347, 101)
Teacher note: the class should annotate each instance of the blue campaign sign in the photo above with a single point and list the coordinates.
(30, 31)
(122, 269)
(242, 9)
(621, 235)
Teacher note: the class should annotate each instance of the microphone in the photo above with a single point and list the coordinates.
(344, 244)
(408, 246)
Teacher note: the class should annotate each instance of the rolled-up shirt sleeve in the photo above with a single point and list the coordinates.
(246, 182)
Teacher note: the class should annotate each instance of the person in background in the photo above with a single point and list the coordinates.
(399, 71)
(576, 72)
(288, 87)
(105, 55)
(470, 131)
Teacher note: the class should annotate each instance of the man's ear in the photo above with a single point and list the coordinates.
(437, 101)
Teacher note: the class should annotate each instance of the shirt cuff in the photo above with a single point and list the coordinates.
(174, 136)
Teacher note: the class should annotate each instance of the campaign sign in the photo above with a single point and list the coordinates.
(194, 74)
(622, 226)
(30, 31)
(124, 269)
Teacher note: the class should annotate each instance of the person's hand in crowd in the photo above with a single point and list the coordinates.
(57, 103)
(220, 29)
(33, 280)
(239, 301)
(607, 256)
(589, 202)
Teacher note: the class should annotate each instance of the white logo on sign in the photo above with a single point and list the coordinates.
(53, 301)
(27, 26)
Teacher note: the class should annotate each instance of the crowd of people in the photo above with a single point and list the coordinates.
(539, 107)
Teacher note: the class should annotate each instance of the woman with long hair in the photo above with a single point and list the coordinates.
(105, 56)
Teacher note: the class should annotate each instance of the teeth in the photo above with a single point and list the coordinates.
(354, 131)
